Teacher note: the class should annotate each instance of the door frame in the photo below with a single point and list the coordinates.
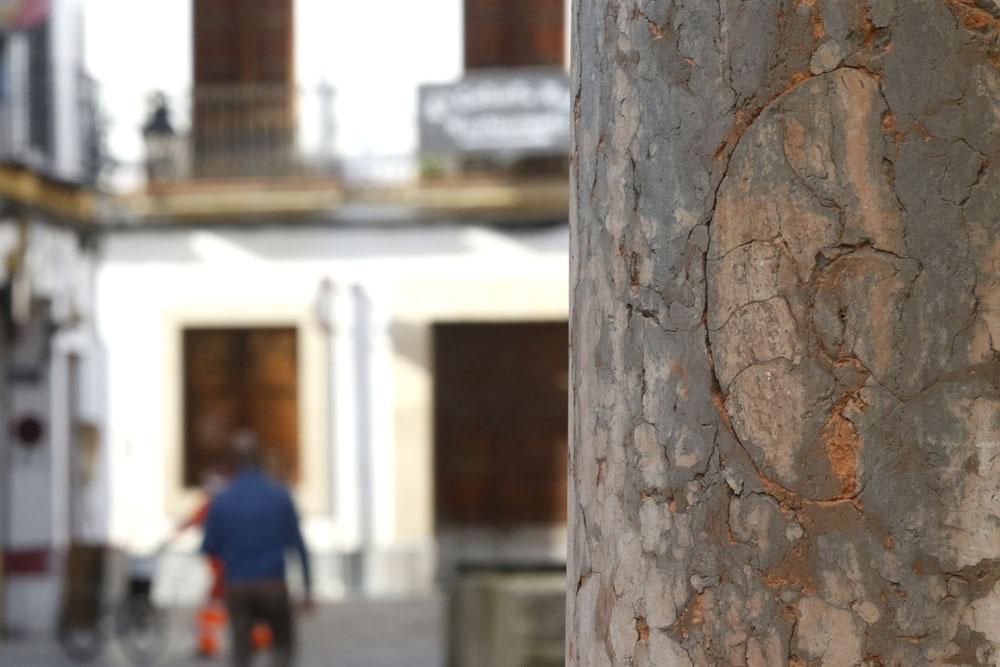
(311, 489)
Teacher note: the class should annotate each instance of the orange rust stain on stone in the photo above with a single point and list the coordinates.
(816, 27)
(793, 573)
(655, 31)
(741, 121)
(796, 79)
(677, 369)
(852, 362)
(721, 150)
(975, 18)
(867, 27)
(921, 131)
(691, 617)
(720, 404)
(843, 444)
(805, 3)
(642, 629)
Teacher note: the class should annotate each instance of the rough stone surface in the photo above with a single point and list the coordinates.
(785, 333)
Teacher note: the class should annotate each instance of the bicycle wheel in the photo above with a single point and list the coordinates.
(141, 630)
(80, 629)
(82, 642)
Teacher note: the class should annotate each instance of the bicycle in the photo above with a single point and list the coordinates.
(138, 626)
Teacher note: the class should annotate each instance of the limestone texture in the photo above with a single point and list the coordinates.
(785, 323)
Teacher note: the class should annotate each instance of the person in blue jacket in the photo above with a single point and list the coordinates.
(251, 525)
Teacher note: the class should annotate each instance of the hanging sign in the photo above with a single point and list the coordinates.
(501, 111)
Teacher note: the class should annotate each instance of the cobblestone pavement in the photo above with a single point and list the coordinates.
(397, 633)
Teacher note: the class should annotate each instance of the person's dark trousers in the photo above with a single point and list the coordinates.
(267, 601)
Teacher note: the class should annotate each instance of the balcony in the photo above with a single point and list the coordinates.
(240, 132)
(492, 144)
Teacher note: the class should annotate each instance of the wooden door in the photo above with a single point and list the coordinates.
(500, 408)
(240, 378)
(244, 103)
(514, 33)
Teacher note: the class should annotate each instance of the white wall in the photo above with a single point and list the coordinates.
(373, 54)
(153, 283)
(56, 269)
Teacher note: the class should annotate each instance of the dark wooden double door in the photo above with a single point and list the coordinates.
(240, 378)
(500, 421)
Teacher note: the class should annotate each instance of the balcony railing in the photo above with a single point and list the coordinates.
(240, 131)
(499, 125)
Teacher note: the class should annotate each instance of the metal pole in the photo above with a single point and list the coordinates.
(4, 467)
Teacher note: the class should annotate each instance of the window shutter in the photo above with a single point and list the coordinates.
(514, 33)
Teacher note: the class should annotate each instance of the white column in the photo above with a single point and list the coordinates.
(337, 314)
(376, 426)
(362, 494)
(377, 362)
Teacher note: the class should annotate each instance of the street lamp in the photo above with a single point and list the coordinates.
(161, 141)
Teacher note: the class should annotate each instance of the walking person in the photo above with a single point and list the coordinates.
(250, 526)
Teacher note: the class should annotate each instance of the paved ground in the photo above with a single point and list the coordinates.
(400, 633)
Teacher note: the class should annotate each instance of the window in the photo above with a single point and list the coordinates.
(240, 378)
(40, 90)
(514, 33)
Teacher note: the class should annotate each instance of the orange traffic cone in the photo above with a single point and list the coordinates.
(211, 619)
(261, 636)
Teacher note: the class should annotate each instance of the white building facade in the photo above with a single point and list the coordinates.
(361, 289)
(53, 473)
(363, 303)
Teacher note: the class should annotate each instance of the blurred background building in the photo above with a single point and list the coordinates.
(53, 487)
(343, 225)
